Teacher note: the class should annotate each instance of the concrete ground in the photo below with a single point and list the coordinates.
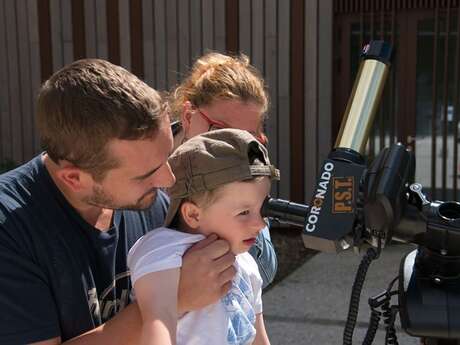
(310, 305)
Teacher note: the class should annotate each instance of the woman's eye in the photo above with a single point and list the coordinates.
(244, 213)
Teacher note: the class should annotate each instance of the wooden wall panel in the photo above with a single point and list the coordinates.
(245, 32)
(160, 44)
(310, 97)
(25, 79)
(196, 29)
(14, 119)
(35, 66)
(171, 44)
(219, 26)
(124, 32)
(159, 40)
(270, 71)
(184, 39)
(283, 122)
(102, 46)
(5, 133)
(148, 28)
(91, 27)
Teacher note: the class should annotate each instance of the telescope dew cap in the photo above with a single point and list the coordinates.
(213, 159)
(378, 50)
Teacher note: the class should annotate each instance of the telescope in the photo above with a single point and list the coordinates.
(359, 205)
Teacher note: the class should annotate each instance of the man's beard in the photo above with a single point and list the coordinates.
(100, 198)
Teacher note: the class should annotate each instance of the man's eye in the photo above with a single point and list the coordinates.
(244, 213)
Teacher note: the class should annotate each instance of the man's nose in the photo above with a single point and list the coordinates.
(167, 178)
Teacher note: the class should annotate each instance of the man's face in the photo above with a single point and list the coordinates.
(235, 214)
(142, 169)
(226, 114)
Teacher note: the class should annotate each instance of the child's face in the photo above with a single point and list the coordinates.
(235, 214)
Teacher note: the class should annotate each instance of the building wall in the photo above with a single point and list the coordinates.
(289, 41)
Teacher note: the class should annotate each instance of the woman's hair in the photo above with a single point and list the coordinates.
(216, 76)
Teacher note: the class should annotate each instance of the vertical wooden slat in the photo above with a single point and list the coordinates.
(297, 101)
(78, 29)
(445, 103)
(196, 43)
(258, 23)
(310, 102)
(283, 112)
(324, 83)
(44, 27)
(124, 32)
(56, 34)
(231, 26)
(171, 48)
(435, 103)
(271, 79)
(382, 113)
(90, 22)
(392, 123)
(34, 41)
(5, 133)
(149, 42)
(102, 27)
(24, 79)
(113, 33)
(160, 45)
(184, 38)
(15, 109)
(207, 24)
(136, 34)
(66, 24)
(456, 102)
(219, 25)
(245, 29)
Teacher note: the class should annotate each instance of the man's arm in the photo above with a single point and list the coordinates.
(156, 295)
(261, 333)
(124, 328)
(206, 274)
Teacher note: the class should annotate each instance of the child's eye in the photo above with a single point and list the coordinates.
(244, 213)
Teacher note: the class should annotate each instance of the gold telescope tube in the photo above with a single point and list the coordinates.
(362, 105)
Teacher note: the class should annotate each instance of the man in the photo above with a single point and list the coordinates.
(69, 216)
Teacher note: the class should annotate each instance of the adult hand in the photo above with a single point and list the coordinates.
(206, 274)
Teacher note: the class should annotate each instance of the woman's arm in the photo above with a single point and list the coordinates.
(264, 254)
(156, 295)
(261, 333)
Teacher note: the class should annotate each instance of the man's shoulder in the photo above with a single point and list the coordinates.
(16, 187)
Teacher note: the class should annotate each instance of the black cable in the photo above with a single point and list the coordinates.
(373, 326)
(371, 254)
(389, 318)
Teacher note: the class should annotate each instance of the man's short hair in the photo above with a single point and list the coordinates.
(88, 103)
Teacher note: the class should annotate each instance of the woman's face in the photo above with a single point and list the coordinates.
(222, 114)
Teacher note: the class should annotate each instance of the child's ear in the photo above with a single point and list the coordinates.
(191, 214)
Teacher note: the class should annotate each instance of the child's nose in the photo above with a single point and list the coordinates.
(259, 222)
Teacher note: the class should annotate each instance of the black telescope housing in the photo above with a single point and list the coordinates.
(356, 203)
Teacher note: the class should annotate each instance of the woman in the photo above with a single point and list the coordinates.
(225, 92)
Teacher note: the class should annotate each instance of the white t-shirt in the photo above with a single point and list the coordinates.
(229, 321)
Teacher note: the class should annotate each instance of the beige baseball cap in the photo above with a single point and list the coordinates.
(213, 159)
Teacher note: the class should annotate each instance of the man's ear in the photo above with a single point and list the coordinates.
(191, 214)
(186, 115)
(74, 178)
